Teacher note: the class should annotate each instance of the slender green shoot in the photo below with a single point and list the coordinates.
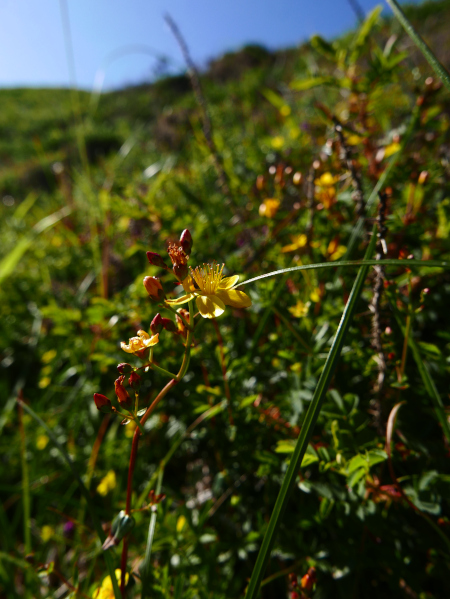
(151, 535)
(388, 262)
(308, 426)
(429, 55)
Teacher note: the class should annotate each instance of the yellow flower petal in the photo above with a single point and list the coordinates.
(210, 306)
(180, 300)
(234, 298)
(228, 282)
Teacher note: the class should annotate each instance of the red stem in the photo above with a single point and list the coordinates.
(133, 455)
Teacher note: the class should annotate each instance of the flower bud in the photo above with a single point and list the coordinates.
(156, 324)
(169, 325)
(156, 260)
(134, 381)
(121, 526)
(154, 289)
(102, 403)
(125, 368)
(122, 393)
(181, 271)
(186, 241)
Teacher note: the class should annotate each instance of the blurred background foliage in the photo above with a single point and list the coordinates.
(91, 182)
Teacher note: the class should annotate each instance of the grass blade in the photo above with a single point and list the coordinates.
(388, 262)
(435, 64)
(151, 534)
(308, 427)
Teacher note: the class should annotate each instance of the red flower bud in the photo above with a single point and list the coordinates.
(156, 260)
(135, 381)
(124, 368)
(169, 325)
(102, 403)
(122, 393)
(154, 289)
(186, 241)
(156, 325)
(309, 579)
(181, 271)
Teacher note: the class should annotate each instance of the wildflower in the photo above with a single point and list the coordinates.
(107, 484)
(154, 289)
(47, 533)
(300, 309)
(178, 255)
(298, 241)
(106, 591)
(42, 441)
(269, 208)
(212, 291)
(139, 343)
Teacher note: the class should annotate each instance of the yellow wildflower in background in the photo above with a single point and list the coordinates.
(392, 148)
(47, 532)
(181, 523)
(107, 483)
(142, 341)
(298, 241)
(106, 591)
(269, 208)
(42, 441)
(300, 309)
(278, 142)
(212, 291)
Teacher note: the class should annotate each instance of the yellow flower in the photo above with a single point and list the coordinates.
(269, 208)
(326, 180)
(298, 241)
(107, 483)
(300, 309)
(47, 533)
(212, 291)
(106, 591)
(41, 441)
(142, 341)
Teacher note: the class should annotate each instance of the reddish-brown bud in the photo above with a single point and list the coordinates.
(156, 260)
(122, 393)
(134, 381)
(125, 368)
(102, 403)
(181, 271)
(154, 289)
(309, 579)
(156, 325)
(169, 325)
(186, 241)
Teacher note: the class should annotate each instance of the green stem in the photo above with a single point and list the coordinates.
(429, 55)
(308, 427)
(151, 535)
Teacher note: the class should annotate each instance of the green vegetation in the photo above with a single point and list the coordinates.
(328, 154)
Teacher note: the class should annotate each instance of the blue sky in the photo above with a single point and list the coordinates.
(117, 41)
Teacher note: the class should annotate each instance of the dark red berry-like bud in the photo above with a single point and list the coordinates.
(125, 368)
(156, 260)
(135, 381)
(169, 325)
(156, 325)
(122, 393)
(154, 289)
(102, 403)
(181, 271)
(186, 241)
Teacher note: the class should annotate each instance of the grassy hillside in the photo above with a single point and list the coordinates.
(301, 142)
